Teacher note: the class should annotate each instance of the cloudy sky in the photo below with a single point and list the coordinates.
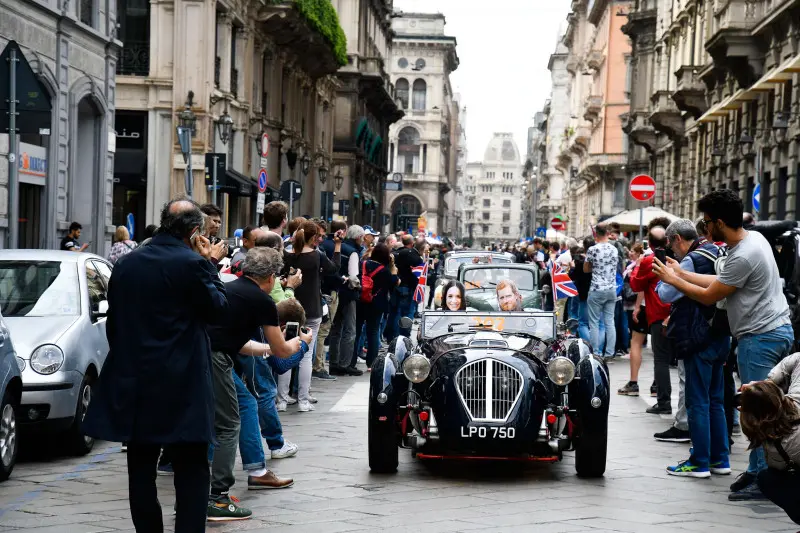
(504, 47)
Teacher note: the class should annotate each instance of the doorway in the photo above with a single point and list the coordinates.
(30, 215)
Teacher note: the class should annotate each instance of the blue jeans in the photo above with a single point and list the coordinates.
(405, 307)
(368, 318)
(266, 389)
(758, 354)
(250, 447)
(705, 403)
(573, 307)
(583, 323)
(602, 304)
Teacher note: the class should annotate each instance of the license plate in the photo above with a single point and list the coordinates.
(483, 432)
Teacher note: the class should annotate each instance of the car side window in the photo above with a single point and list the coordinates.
(104, 269)
(95, 285)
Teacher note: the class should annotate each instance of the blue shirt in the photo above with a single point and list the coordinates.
(669, 294)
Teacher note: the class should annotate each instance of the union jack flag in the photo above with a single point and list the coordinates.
(563, 287)
(421, 272)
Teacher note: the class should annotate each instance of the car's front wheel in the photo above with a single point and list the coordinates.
(78, 443)
(590, 454)
(381, 428)
(8, 436)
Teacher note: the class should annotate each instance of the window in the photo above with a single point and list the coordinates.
(95, 286)
(401, 87)
(402, 63)
(505, 231)
(485, 215)
(39, 288)
(470, 215)
(506, 217)
(487, 202)
(86, 8)
(420, 64)
(134, 32)
(619, 193)
(485, 228)
(418, 95)
(424, 158)
(234, 71)
(506, 203)
(408, 150)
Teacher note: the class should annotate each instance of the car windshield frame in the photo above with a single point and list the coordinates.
(464, 259)
(541, 324)
(60, 297)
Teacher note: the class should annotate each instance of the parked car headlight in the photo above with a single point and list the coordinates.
(416, 368)
(561, 371)
(47, 359)
(21, 363)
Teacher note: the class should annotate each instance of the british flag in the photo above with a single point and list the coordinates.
(563, 287)
(421, 272)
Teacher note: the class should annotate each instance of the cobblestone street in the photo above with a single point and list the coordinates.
(334, 490)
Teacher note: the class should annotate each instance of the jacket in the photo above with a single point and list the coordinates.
(330, 282)
(406, 259)
(346, 294)
(643, 279)
(155, 385)
(786, 375)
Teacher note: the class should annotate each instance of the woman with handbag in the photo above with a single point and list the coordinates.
(378, 276)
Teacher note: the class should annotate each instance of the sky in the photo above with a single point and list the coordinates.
(503, 47)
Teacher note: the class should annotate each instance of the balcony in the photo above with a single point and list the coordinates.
(235, 82)
(732, 45)
(134, 59)
(595, 59)
(579, 144)
(592, 107)
(217, 70)
(637, 125)
(666, 117)
(573, 63)
(690, 95)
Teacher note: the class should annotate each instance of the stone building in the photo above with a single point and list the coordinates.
(66, 161)
(422, 144)
(534, 208)
(459, 229)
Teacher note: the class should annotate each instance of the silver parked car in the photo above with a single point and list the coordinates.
(10, 392)
(55, 305)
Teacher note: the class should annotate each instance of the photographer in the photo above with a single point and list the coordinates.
(770, 417)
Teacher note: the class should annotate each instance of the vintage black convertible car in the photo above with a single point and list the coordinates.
(489, 385)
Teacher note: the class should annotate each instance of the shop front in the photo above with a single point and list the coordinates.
(130, 172)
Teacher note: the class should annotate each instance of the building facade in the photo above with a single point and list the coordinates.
(535, 214)
(459, 230)
(422, 144)
(65, 162)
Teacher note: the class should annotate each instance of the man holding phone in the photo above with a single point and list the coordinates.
(70, 241)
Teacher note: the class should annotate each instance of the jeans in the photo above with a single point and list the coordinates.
(324, 331)
(621, 321)
(263, 382)
(226, 424)
(602, 303)
(583, 323)
(304, 370)
(731, 413)
(405, 306)
(758, 354)
(681, 417)
(573, 308)
(783, 489)
(662, 355)
(343, 335)
(190, 465)
(369, 318)
(705, 403)
(250, 447)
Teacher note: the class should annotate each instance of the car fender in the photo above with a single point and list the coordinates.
(590, 393)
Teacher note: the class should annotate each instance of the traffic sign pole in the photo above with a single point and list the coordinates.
(13, 181)
(641, 223)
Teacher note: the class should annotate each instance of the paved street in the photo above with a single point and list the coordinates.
(335, 492)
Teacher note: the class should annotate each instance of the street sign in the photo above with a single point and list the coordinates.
(263, 162)
(262, 181)
(260, 202)
(643, 187)
(291, 191)
(558, 224)
(757, 198)
(129, 223)
(264, 146)
(541, 231)
(344, 208)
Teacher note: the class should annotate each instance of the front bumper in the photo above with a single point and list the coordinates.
(50, 400)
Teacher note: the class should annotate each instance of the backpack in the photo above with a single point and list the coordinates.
(367, 283)
(719, 321)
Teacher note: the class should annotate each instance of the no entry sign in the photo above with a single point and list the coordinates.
(643, 187)
(558, 224)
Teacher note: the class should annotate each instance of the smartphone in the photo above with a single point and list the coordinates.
(292, 330)
(661, 255)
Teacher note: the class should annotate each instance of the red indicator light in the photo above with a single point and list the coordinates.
(551, 418)
(424, 416)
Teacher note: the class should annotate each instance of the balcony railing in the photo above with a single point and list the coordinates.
(134, 59)
(234, 82)
(217, 70)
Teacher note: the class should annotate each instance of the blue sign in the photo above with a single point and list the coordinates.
(757, 198)
(262, 180)
(541, 231)
(129, 223)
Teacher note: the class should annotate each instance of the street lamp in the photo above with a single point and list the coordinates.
(186, 118)
(225, 126)
(338, 180)
(305, 164)
(322, 172)
(187, 126)
(746, 142)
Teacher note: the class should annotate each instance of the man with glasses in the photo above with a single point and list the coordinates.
(758, 313)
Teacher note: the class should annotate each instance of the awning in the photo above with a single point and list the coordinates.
(237, 184)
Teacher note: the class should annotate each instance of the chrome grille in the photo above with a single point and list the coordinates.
(489, 389)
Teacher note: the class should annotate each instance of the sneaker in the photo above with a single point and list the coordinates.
(673, 434)
(291, 401)
(225, 509)
(630, 389)
(312, 399)
(687, 469)
(336, 371)
(305, 406)
(165, 470)
(280, 406)
(659, 410)
(289, 449)
(721, 468)
(268, 481)
(737, 429)
(653, 391)
(322, 374)
(353, 371)
(743, 480)
(749, 493)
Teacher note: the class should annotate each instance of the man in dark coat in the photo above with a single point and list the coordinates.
(155, 387)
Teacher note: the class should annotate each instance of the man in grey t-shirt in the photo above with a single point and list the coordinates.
(758, 313)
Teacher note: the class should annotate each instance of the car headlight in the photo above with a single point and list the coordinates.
(416, 368)
(21, 363)
(47, 359)
(561, 371)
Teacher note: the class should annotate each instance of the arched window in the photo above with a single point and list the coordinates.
(406, 209)
(401, 87)
(418, 95)
(408, 151)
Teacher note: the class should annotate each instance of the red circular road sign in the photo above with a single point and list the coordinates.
(643, 187)
(558, 224)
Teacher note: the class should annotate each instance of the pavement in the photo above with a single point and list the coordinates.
(335, 492)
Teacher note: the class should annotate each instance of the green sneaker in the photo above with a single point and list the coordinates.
(225, 509)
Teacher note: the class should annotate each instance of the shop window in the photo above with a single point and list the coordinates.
(133, 18)
(505, 231)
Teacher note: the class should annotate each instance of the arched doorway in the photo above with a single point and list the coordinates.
(85, 176)
(406, 209)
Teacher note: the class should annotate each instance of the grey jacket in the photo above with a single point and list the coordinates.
(787, 375)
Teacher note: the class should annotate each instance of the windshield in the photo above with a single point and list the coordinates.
(488, 278)
(539, 324)
(452, 263)
(39, 288)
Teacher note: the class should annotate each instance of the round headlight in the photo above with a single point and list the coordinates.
(47, 359)
(21, 363)
(561, 371)
(416, 368)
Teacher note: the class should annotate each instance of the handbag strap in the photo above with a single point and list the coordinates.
(791, 465)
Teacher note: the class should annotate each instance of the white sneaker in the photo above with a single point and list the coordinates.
(304, 406)
(312, 399)
(291, 401)
(289, 449)
(280, 406)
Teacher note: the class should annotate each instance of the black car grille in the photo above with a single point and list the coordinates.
(489, 389)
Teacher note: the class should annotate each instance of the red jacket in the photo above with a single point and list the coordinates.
(643, 280)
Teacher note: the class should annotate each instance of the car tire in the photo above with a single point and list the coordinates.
(590, 455)
(381, 435)
(77, 442)
(9, 447)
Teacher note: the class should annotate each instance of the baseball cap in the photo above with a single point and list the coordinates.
(369, 231)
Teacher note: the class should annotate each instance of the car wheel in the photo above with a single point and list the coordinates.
(8, 437)
(381, 434)
(590, 454)
(79, 443)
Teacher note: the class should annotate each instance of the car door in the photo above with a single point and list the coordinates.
(97, 274)
(104, 270)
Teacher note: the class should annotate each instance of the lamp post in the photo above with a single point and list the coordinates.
(186, 129)
(780, 125)
(305, 164)
(224, 128)
(338, 180)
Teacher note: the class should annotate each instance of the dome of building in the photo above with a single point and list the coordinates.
(502, 148)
